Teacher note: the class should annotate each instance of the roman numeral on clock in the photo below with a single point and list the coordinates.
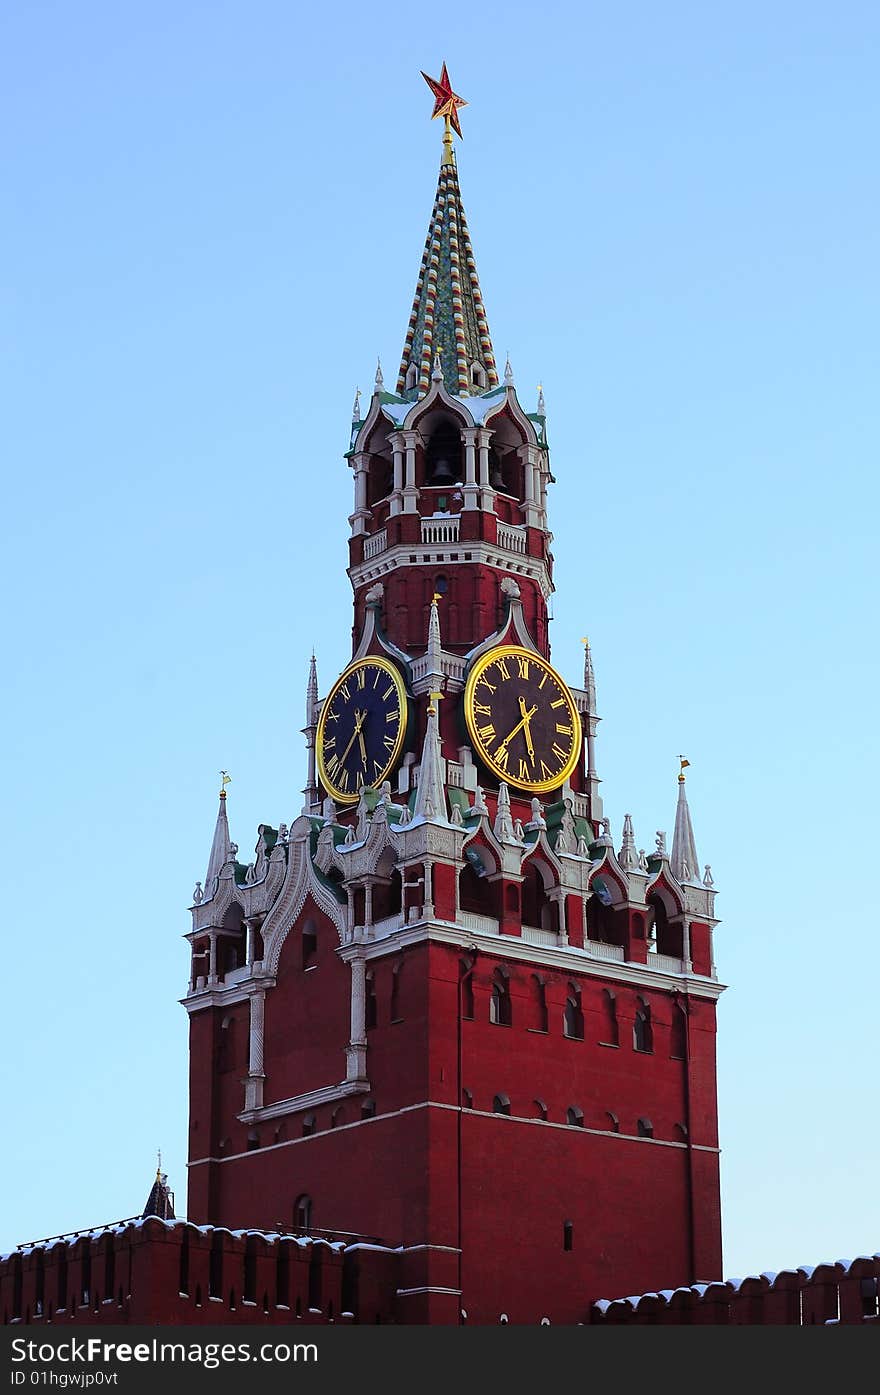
(523, 666)
(361, 676)
(558, 752)
(501, 757)
(388, 743)
(486, 733)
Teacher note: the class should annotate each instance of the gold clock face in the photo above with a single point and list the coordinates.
(522, 719)
(361, 728)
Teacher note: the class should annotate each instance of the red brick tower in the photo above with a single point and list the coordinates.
(441, 1011)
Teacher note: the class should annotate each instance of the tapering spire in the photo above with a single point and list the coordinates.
(589, 677)
(541, 410)
(448, 313)
(160, 1201)
(503, 827)
(430, 801)
(312, 693)
(684, 863)
(508, 373)
(628, 856)
(379, 384)
(356, 406)
(221, 846)
(311, 786)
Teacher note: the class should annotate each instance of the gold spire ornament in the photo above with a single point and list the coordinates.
(684, 765)
(225, 779)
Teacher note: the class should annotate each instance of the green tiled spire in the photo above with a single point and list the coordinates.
(448, 314)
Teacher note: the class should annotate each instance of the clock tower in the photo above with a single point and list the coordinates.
(443, 1011)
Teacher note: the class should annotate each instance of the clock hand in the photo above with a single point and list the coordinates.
(358, 723)
(526, 718)
(360, 737)
(527, 732)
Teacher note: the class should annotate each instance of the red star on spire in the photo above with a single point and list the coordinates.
(446, 102)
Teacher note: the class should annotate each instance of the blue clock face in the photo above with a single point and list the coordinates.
(361, 728)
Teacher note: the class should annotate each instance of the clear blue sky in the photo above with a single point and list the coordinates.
(214, 219)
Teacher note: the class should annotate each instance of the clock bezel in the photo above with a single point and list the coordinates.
(519, 651)
(368, 661)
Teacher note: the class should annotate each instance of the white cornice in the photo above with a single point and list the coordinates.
(568, 958)
(428, 554)
(310, 1100)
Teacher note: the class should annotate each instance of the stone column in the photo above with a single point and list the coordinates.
(487, 493)
(254, 1083)
(212, 958)
(356, 1051)
(469, 489)
(397, 449)
(686, 944)
(410, 493)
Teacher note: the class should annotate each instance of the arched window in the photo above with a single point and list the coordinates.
(308, 1125)
(643, 1032)
(337, 1117)
(678, 1034)
(613, 1121)
(645, 1128)
(253, 1140)
(669, 938)
(501, 1105)
(368, 1109)
(479, 377)
(609, 1032)
(396, 975)
(309, 945)
(412, 377)
(499, 1004)
(573, 1017)
(574, 1116)
(540, 1003)
(370, 1007)
(443, 455)
(467, 1099)
(540, 1109)
(302, 1212)
(568, 1235)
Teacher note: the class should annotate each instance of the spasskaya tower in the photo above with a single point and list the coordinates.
(443, 1013)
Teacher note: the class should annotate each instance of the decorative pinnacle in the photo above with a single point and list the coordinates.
(542, 407)
(225, 779)
(446, 104)
(508, 373)
(437, 374)
(379, 385)
(356, 409)
(684, 765)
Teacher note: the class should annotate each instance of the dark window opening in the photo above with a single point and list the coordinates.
(302, 1212)
(643, 1032)
(501, 1105)
(500, 1012)
(573, 1016)
(309, 945)
(574, 1117)
(567, 1235)
(609, 1031)
(645, 1128)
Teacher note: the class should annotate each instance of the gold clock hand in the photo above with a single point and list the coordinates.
(527, 731)
(360, 737)
(526, 718)
(358, 723)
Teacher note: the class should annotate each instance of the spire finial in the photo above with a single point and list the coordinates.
(508, 373)
(446, 104)
(685, 865)
(542, 408)
(684, 765)
(437, 374)
(356, 409)
(379, 385)
(225, 779)
(158, 1164)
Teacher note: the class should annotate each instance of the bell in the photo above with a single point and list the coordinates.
(443, 473)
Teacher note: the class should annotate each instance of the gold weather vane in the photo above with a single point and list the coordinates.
(446, 104)
(684, 765)
(225, 778)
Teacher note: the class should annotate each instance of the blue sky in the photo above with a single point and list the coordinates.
(215, 215)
